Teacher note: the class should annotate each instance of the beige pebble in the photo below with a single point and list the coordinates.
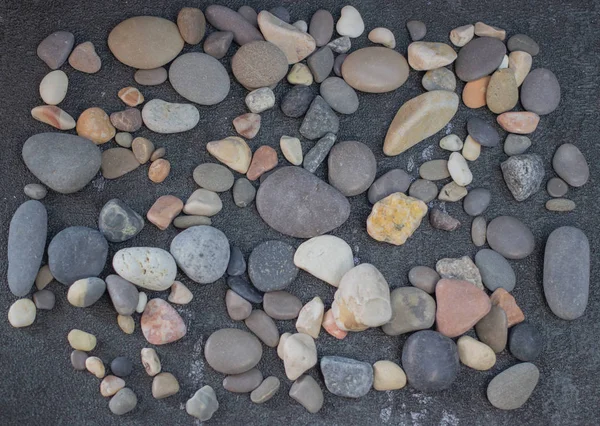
(95, 366)
(310, 318)
(151, 361)
(475, 354)
(22, 313)
(452, 192)
(81, 340)
(247, 125)
(233, 151)
(502, 93)
(43, 278)
(560, 205)
(131, 96)
(110, 385)
(300, 74)
(299, 355)
(126, 323)
(471, 149)
(94, 124)
(159, 170)
(383, 36)
(484, 30)
(180, 294)
(53, 87)
(164, 385)
(462, 35)
(520, 63)
(142, 300)
(281, 344)
(451, 143)
(291, 149)
(164, 210)
(158, 154)
(142, 149)
(203, 202)
(54, 116)
(85, 59)
(388, 375)
(424, 55)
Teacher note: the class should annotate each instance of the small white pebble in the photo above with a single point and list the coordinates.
(459, 169)
(504, 63)
(53, 87)
(350, 23)
(22, 313)
(383, 36)
(95, 366)
(451, 143)
(142, 300)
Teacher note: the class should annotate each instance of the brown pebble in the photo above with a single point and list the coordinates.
(117, 162)
(164, 210)
(94, 124)
(441, 220)
(263, 160)
(159, 170)
(142, 149)
(217, 44)
(158, 153)
(191, 24)
(507, 302)
(129, 120)
(474, 93)
(131, 96)
(247, 125)
(164, 385)
(151, 77)
(85, 59)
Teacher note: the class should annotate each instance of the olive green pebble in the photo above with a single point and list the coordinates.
(124, 139)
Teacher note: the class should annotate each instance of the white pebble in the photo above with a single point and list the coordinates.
(142, 300)
(301, 25)
(310, 318)
(53, 87)
(95, 366)
(462, 35)
(383, 36)
(459, 169)
(451, 143)
(151, 362)
(471, 149)
(22, 313)
(281, 345)
(504, 63)
(291, 148)
(350, 23)
(180, 294)
(260, 100)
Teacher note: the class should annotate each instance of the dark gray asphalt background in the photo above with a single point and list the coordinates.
(39, 386)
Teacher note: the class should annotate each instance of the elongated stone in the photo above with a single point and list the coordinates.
(296, 44)
(165, 117)
(54, 116)
(225, 19)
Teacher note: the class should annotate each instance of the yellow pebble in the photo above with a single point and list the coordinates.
(395, 218)
(81, 340)
(95, 366)
(126, 323)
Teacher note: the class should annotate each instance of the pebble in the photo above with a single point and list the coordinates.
(164, 385)
(424, 190)
(416, 29)
(53, 87)
(300, 74)
(330, 326)
(232, 351)
(242, 23)
(434, 170)
(452, 192)
(22, 313)
(475, 92)
(423, 278)
(387, 376)
(308, 393)
(123, 402)
(502, 93)
(350, 23)
(296, 102)
(232, 151)
(161, 324)
(150, 361)
(460, 269)
(217, 43)
(200, 78)
(441, 220)
(484, 30)
(145, 42)
(294, 43)
(260, 100)
(259, 64)
(124, 139)
(483, 132)
(460, 36)
(523, 175)
(244, 382)
(339, 95)
(346, 377)
(340, 44)
(147, 267)
(121, 366)
(525, 342)
(126, 323)
(165, 117)
(79, 340)
(142, 149)
(202, 253)
(191, 24)
(267, 389)
(477, 201)
(94, 365)
(560, 205)
(180, 294)
(520, 122)
(520, 63)
(424, 55)
(352, 167)
(281, 13)
(318, 152)
(159, 170)
(44, 299)
(54, 116)
(299, 355)
(395, 218)
(508, 304)
(301, 25)
(152, 77)
(310, 318)
(492, 329)
(244, 289)
(567, 272)
(570, 164)
(459, 169)
(362, 299)
(243, 192)
(296, 203)
(436, 371)
(478, 58)
(396, 180)
(142, 301)
(247, 125)
(418, 119)
(203, 405)
(510, 237)
(320, 63)
(281, 305)
(495, 270)
(326, 257)
(412, 309)
(321, 27)
(43, 277)
(238, 308)
(475, 354)
(516, 144)
(124, 295)
(271, 266)
(110, 385)
(249, 14)
(131, 96)
(203, 202)
(291, 148)
(118, 222)
(439, 79)
(213, 177)
(460, 305)
(471, 149)
(557, 187)
(337, 64)
(85, 59)
(55, 49)
(512, 388)
(522, 42)
(375, 69)
(164, 209)
(78, 360)
(263, 160)
(540, 92)
(237, 264)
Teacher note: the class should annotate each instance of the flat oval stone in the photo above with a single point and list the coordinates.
(259, 64)
(352, 167)
(452, 192)
(199, 78)
(151, 77)
(145, 42)
(263, 327)
(161, 324)
(53, 87)
(244, 382)
(540, 92)
(475, 354)
(570, 164)
(184, 222)
(396, 180)
(35, 191)
(281, 305)
(321, 27)
(510, 237)
(523, 43)
(512, 388)
(271, 266)
(482, 132)
(495, 270)
(523, 175)
(521, 122)
(165, 117)
(516, 144)
(147, 267)
(424, 278)
(244, 289)
(294, 43)
(65, 163)
(295, 202)
(375, 69)
(118, 222)
(479, 57)
(22, 313)
(567, 272)
(434, 170)
(477, 201)
(202, 252)
(191, 24)
(346, 377)
(560, 205)
(225, 19)
(459, 169)
(232, 351)
(339, 95)
(492, 329)
(557, 187)
(430, 361)
(55, 49)
(525, 342)
(85, 292)
(412, 309)
(423, 189)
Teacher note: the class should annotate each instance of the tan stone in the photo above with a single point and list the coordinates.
(43, 278)
(299, 355)
(300, 74)
(291, 148)
(150, 361)
(520, 122)
(164, 210)
(388, 375)
(180, 294)
(164, 385)
(452, 192)
(474, 93)
(232, 151)
(507, 302)
(296, 44)
(375, 69)
(383, 36)
(462, 35)
(81, 340)
(142, 149)
(425, 55)
(94, 365)
(281, 344)
(263, 160)
(117, 162)
(131, 96)
(126, 323)
(94, 124)
(331, 327)
(484, 30)
(203, 202)
(310, 318)
(85, 59)
(395, 218)
(247, 125)
(471, 149)
(475, 354)
(159, 170)
(520, 63)
(418, 119)
(54, 116)
(502, 92)
(191, 24)
(110, 385)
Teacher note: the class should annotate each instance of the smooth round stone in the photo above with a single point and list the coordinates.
(560, 205)
(53, 87)
(478, 58)
(495, 270)
(77, 252)
(483, 132)
(471, 149)
(243, 192)
(570, 164)
(320, 63)
(244, 382)
(117, 162)
(202, 253)
(80, 340)
(118, 222)
(259, 64)
(281, 305)
(151, 77)
(352, 167)
(492, 329)
(516, 144)
(124, 139)
(159, 170)
(217, 44)
(124, 295)
(477, 201)
(319, 120)
(161, 324)
(191, 24)
(375, 69)
(424, 278)
(243, 25)
(475, 354)
(396, 180)
(164, 385)
(510, 237)
(271, 266)
(502, 93)
(165, 117)
(430, 361)
(291, 148)
(249, 14)
(567, 272)
(126, 323)
(232, 351)
(295, 103)
(237, 264)
(308, 393)
(540, 91)
(326, 257)
(412, 309)
(203, 404)
(35, 191)
(78, 360)
(244, 289)
(267, 389)
(199, 78)
(423, 189)
(238, 308)
(346, 377)
(110, 385)
(416, 30)
(512, 388)
(557, 187)
(145, 42)
(387, 376)
(439, 79)
(474, 93)
(523, 175)
(121, 366)
(65, 163)
(337, 64)
(21, 313)
(213, 177)
(142, 149)
(434, 170)
(123, 402)
(525, 342)
(44, 299)
(95, 366)
(55, 49)
(350, 23)
(147, 267)
(339, 95)
(85, 292)
(522, 42)
(321, 27)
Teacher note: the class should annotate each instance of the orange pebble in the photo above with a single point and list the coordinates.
(474, 93)
(507, 302)
(522, 122)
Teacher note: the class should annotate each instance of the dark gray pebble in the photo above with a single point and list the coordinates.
(523, 175)
(478, 58)
(540, 92)
(121, 366)
(483, 132)
(416, 29)
(237, 264)
(510, 237)
(321, 27)
(316, 155)
(244, 289)
(516, 144)
(217, 44)
(319, 120)
(477, 201)
(523, 43)
(337, 64)
(243, 192)
(525, 342)
(495, 270)
(226, 19)
(346, 377)
(352, 167)
(124, 295)
(339, 95)
(118, 222)
(35, 191)
(271, 266)
(396, 180)
(295, 103)
(78, 360)
(56, 48)
(442, 220)
(557, 187)
(321, 63)
(570, 164)
(44, 299)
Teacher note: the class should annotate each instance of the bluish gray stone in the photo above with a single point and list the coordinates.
(523, 175)
(525, 342)
(26, 243)
(423, 189)
(540, 92)
(316, 155)
(123, 402)
(478, 58)
(281, 12)
(75, 253)
(56, 48)
(118, 222)
(412, 309)
(202, 252)
(319, 120)
(557, 187)
(424, 277)
(271, 266)
(121, 366)
(339, 95)
(352, 167)
(244, 289)
(495, 270)
(199, 78)
(512, 388)
(483, 132)
(237, 264)
(396, 180)
(567, 272)
(510, 237)
(203, 404)
(477, 201)
(124, 295)
(516, 144)
(570, 164)
(296, 102)
(346, 377)
(524, 43)
(44, 299)
(337, 64)
(226, 19)
(321, 63)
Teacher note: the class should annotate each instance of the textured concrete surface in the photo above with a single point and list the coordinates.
(39, 386)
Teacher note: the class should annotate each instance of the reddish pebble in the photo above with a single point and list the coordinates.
(263, 160)
(475, 92)
(460, 305)
(85, 59)
(164, 210)
(247, 125)
(159, 170)
(53, 116)
(161, 324)
(521, 123)
(131, 96)
(507, 302)
(331, 327)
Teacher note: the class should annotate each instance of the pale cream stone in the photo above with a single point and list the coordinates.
(142, 300)
(452, 192)
(81, 340)
(53, 87)
(388, 375)
(281, 344)
(310, 318)
(484, 30)
(350, 23)
(504, 63)
(459, 169)
(462, 35)
(475, 354)
(472, 149)
(95, 366)
(22, 313)
(126, 323)
(451, 143)
(326, 257)
(299, 355)
(233, 151)
(151, 361)
(425, 55)
(291, 149)
(300, 74)
(383, 36)
(180, 294)
(203, 202)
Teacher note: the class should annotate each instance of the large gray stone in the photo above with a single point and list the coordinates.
(495, 270)
(118, 222)
(512, 388)
(347, 377)
(570, 164)
(540, 92)
(510, 237)
(199, 78)
(478, 58)
(352, 167)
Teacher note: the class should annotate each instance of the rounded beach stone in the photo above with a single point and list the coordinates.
(203, 404)
(387, 376)
(243, 192)
(213, 177)
(396, 180)
(118, 222)
(164, 209)
(180, 294)
(560, 205)
(434, 170)
(94, 124)
(238, 308)
(475, 354)
(294, 43)
(350, 23)
(301, 25)
(520, 122)
(232, 351)
(474, 93)
(439, 79)
(78, 360)
(291, 148)
(510, 237)
(161, 324)
(492, 329)
(525, 342)
(142, 149)
(296, 102)
(123, 402)
(352, 167)
(126, 323)
(478, 58)
(436, 371)
(281, 305)
(199, 78)
(259, 64)
(35, 191)
(191, 24)
(424, 56)
(483, 132)
(423, 189)
(460, 305)
(247, 125)
(124, 295)
(424, 278)
(321, 27)
(523, 42)
(321, 63)
(217, 43)
(310, 318)
(346, 377)
(570, 164)
(237, 263)
(245, 289)
(452, 192)
(477, 201)
(267, 389)
(85, 292)
(512, 388)
(557, 187)
(159, 170)
(339, 95)
(203, 202)
(319, 120)
(164, 385)
(53, 87)
(95, 366)
(151, 77)
(471, 149)
(22, 313)
(300, 74)
(147, 267)
(271, 266)
(165, 117)
(121, 366)
(80, 340)
(502, 93)
(55, 49)
(416, 29)
(260, 100)
(150, 361)
(308, 393)
(516, 144)
(263, 160)
(520, 63)
(129, 120)
(540, 92)
(145, 42)
(244, 382)
(460, 36)
(44, 299)
(326, 257)
(375, 69)
(242, 23)
(110, 385)
(495, 270)
(412, 309)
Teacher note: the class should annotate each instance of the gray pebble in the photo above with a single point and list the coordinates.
(570, 164)
(339, 95)
(249, 15)
(316, 155)
(203, 404)
(35, 191)
(124, 295)
(495, 270)
(307, 392)
(512, 388)
(118, 222)
(416, 29)
(477, 201)
(540, 92)
(243, 383)
(225, 19)
(346, 377)
(492, 329)
(516, 144)
(152, 77)
(165, 117)
(78, 360)
(271, 266)
(560, 205)
(434, 170)
(523, 175)
(321, 27)
(244, 289)
(281, 305)
(217, 44)
(243, 192)
(238, 308)
(121, 366)
(396, 180)
(56, 48)
(525, 342)
(237, 264)
(340, 44)
(199, 78)
(442, 220)
(557, 187)
(321, 64)
(412, 310)
(301, 25)
(337, 64)
(296, 102)
(523, 43)
(124, 139)
(44, 299)
(123, 402)
(351, 167)
(439, 79)
(319, 120)
(85, 292)
(423, 189)
(424, 277)
(483, 132)
(267, 389)
(510, 237)
(281, 12)
(184, 222)
(232, 351)
(213, 177)
(478, 231)
(478, 58)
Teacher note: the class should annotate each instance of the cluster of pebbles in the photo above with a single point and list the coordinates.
(457, 295)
